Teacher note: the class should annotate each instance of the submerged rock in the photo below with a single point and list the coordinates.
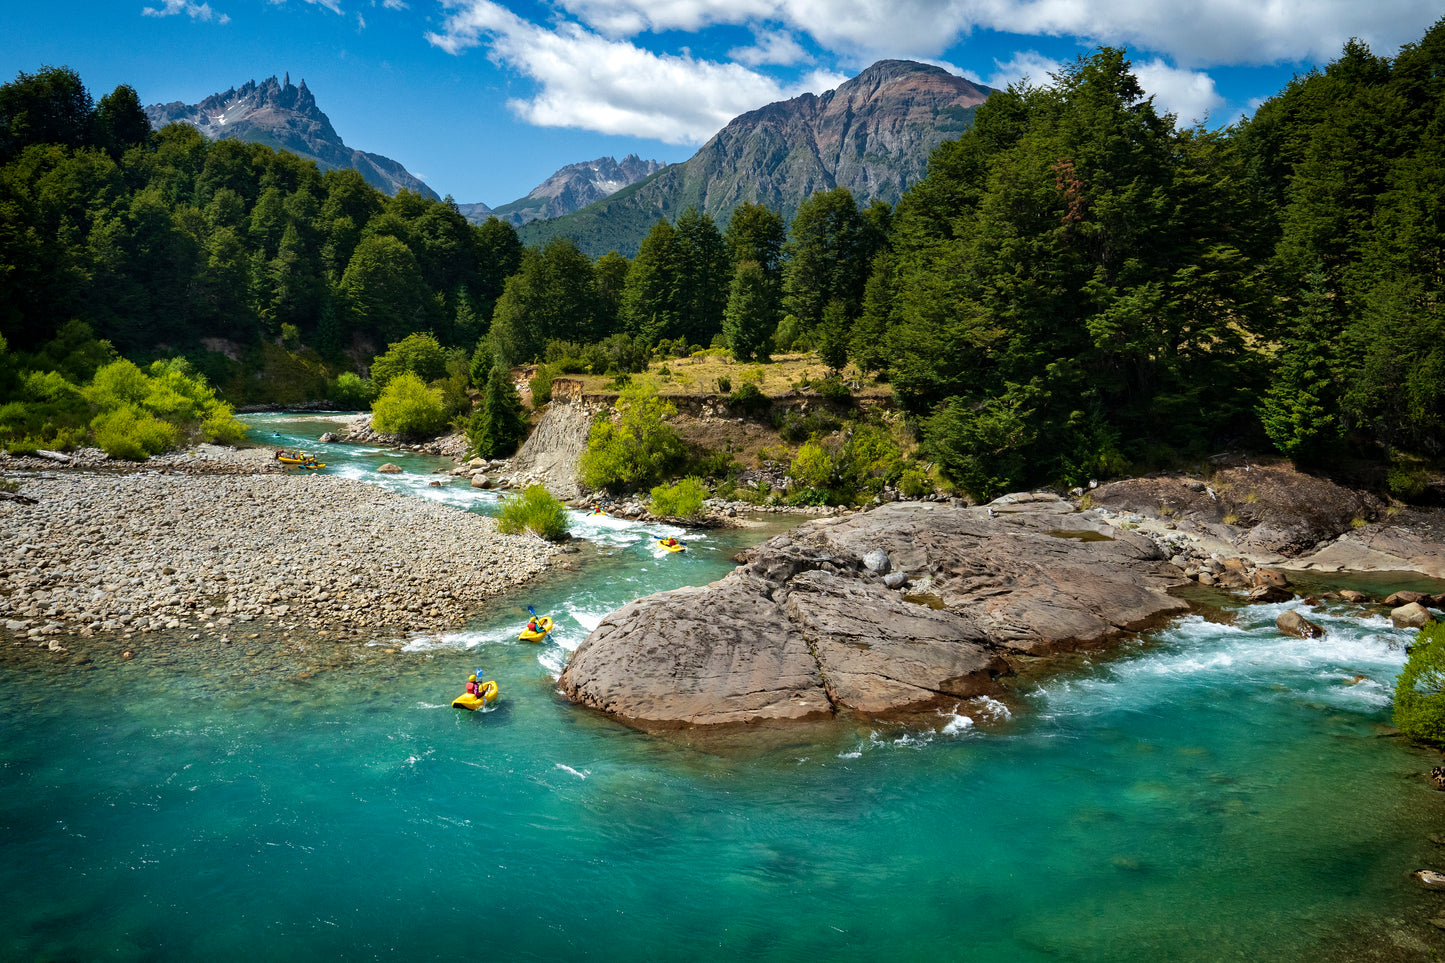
(806, 626)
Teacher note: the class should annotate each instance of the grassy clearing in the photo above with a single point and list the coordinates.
(698, 376)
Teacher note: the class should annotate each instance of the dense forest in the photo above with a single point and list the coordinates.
(1078, 288)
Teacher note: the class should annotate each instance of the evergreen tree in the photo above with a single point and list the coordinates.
(649, 301)
(704, 271)
(50, 106)
(756, 233)
(752, 312)
(1298, 408)
(499, 424)
(828, 254)
(383, 290)
(120, 122)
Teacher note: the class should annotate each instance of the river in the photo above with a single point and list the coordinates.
(1212, 791)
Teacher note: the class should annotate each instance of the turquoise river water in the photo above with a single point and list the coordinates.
(1214, 791)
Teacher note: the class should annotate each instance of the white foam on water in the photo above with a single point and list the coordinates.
(580, 775)
(956, 725)
(1352, 667)
(461, 641)
(589, 620)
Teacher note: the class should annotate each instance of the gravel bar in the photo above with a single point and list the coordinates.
(210, 554)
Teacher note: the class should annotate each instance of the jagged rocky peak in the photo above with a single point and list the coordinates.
(287, 117)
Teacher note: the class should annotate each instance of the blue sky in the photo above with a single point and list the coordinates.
(484, 100)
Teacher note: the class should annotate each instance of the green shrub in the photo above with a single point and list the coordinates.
(713, 463)
(220, 426)
(132, 434)
(408, 408)
(833, 390)
(535, 511)
(724, 385)
(795, 428)
(637, 449)
(117, 384)
(541, 385)
(807, 497)
(352, 392)
(915, 483)
(682, 500)
(1407, 482)
(1420, 689)
(750, 398)
(419, 354)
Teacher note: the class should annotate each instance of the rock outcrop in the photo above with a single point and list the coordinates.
(551, 452)
(807, 626)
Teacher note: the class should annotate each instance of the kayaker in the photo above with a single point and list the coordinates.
(472, 687)
(532, 625)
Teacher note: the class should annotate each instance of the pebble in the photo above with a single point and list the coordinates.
(153, 551)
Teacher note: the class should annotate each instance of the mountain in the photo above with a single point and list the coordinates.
(872, 135)
(286, 118)
(476, 213)
(577, 185)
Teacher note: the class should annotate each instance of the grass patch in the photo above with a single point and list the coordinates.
(534, 511)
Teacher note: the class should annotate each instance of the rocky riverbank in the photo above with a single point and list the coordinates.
(914, 605)
(178, 547)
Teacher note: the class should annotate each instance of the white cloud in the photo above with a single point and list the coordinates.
(194, 11)
(1028, 65)
(395, 5)
(771, 48)
(360, 23)
(333, 5)
(1187, 94)
(595, 83)
(1190, 33)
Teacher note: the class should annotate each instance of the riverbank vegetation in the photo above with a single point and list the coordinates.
(534, 510)
(1079, 288)
(1420, 689)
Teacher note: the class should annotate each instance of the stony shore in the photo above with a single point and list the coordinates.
(214, 544)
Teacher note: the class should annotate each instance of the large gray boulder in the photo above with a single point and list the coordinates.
(805, 626)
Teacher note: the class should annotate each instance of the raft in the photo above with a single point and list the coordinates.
(298, 458)
(544, 625)
(474, 702)
(679, 547)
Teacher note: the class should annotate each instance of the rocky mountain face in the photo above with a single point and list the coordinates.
(286, 118)
(577, 185)
(872, 135)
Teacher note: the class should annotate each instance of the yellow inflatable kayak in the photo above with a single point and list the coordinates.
(474, 702)
(544, 625)
(671, 545)
(298, 458)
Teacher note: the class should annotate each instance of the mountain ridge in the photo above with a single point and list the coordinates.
(283, 116)
(873, 134)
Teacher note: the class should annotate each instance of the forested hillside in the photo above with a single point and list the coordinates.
(1076, 289)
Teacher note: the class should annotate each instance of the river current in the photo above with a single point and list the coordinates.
(1212, 791)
